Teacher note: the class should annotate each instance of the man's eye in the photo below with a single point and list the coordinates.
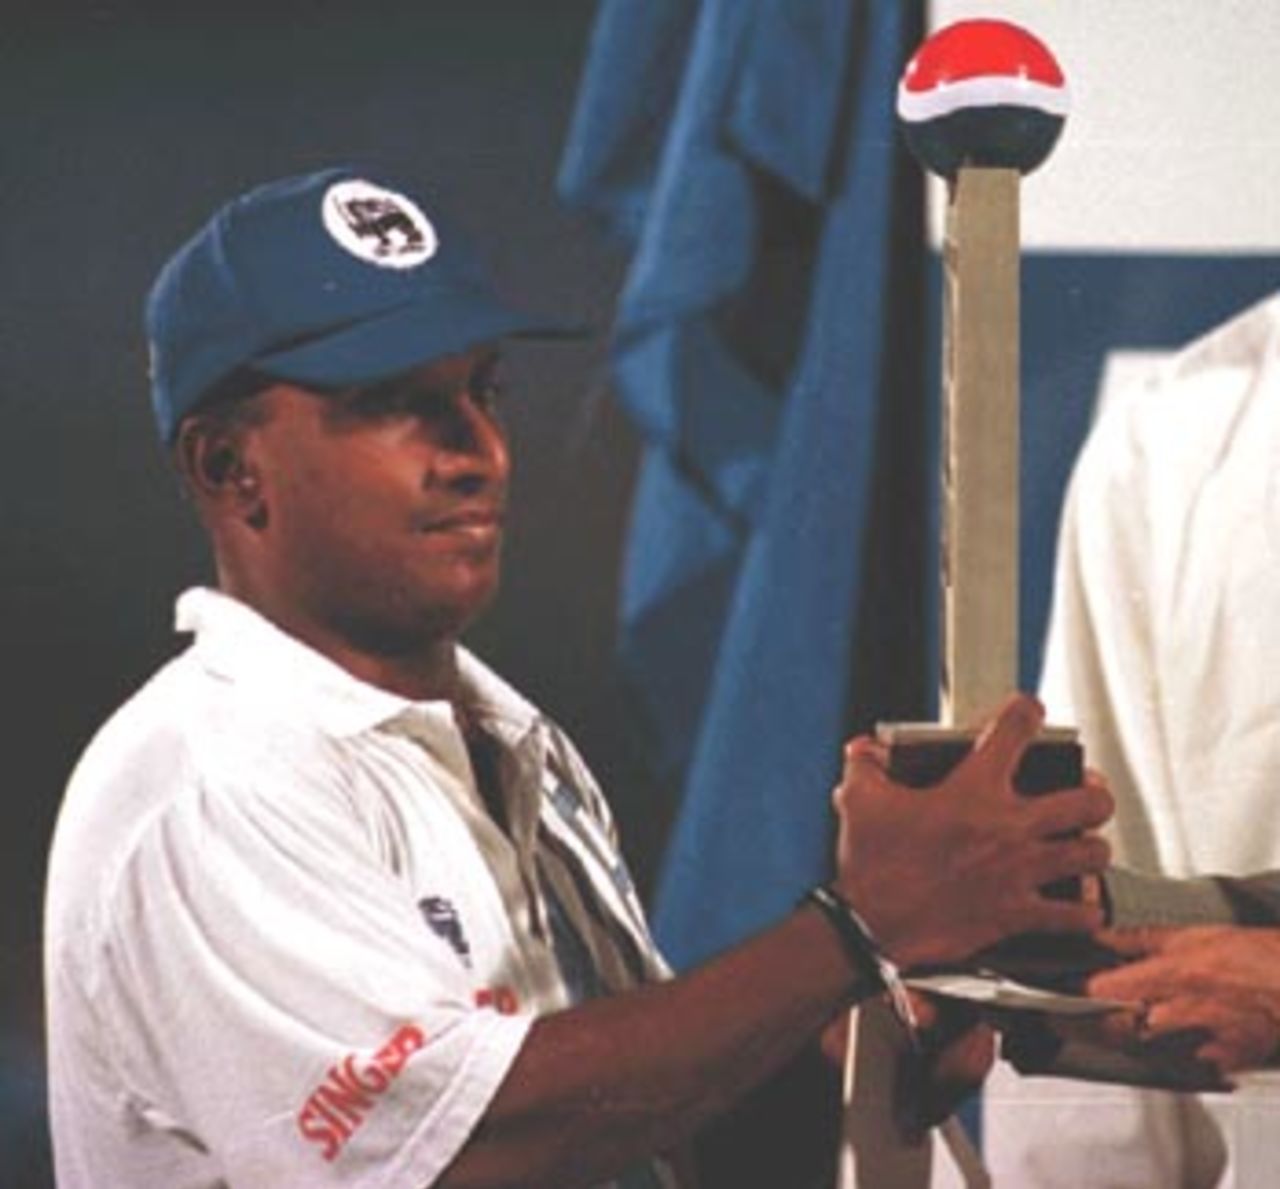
(414, 398)
(376, 399)
(396, 400)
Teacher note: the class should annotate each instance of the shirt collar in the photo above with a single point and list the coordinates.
(235, 643)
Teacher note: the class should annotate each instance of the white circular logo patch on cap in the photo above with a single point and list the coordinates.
(378, 225)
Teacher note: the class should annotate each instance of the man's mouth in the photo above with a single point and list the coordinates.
(474, 523)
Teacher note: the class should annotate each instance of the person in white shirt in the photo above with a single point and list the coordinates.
(329, 903)
(1163, 648)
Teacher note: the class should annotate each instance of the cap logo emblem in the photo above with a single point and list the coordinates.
(377, 225)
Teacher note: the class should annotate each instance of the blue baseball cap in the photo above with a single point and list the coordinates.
(325, 279)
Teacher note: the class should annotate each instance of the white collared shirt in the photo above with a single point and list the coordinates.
(286, 943)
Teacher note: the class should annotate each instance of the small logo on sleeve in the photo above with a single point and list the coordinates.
(337, 1107)
(443, 920)
(503, 1000)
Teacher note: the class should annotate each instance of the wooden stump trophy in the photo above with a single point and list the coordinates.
(982, 102)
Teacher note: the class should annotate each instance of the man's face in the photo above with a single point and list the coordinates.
(383, 506)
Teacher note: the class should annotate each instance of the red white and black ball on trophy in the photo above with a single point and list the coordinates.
(982, 93)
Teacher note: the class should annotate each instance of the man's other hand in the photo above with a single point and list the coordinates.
(1222, 980)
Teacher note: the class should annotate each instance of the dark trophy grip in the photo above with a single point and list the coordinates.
(1057, 962)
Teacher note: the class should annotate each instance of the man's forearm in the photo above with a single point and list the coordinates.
(605, 1084)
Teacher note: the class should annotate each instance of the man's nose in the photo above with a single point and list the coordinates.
(473, 443)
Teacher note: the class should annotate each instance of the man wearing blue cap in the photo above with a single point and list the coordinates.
(329, 902)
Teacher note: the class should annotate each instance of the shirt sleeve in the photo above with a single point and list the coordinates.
(279, 1001)
(1137, 899)
(1099, 668)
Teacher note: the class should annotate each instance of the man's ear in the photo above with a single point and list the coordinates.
(217, 464)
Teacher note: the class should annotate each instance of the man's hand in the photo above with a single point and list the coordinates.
(1221, 980)
(941, 873)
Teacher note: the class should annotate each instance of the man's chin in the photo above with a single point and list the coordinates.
(467, 603)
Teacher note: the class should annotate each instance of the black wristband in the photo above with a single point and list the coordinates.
(852, 930)
(862, 947)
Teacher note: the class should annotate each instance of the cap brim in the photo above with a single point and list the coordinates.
(407, 337)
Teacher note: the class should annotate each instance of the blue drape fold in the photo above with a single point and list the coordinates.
(745, 151)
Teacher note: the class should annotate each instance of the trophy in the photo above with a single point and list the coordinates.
(981, 102)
